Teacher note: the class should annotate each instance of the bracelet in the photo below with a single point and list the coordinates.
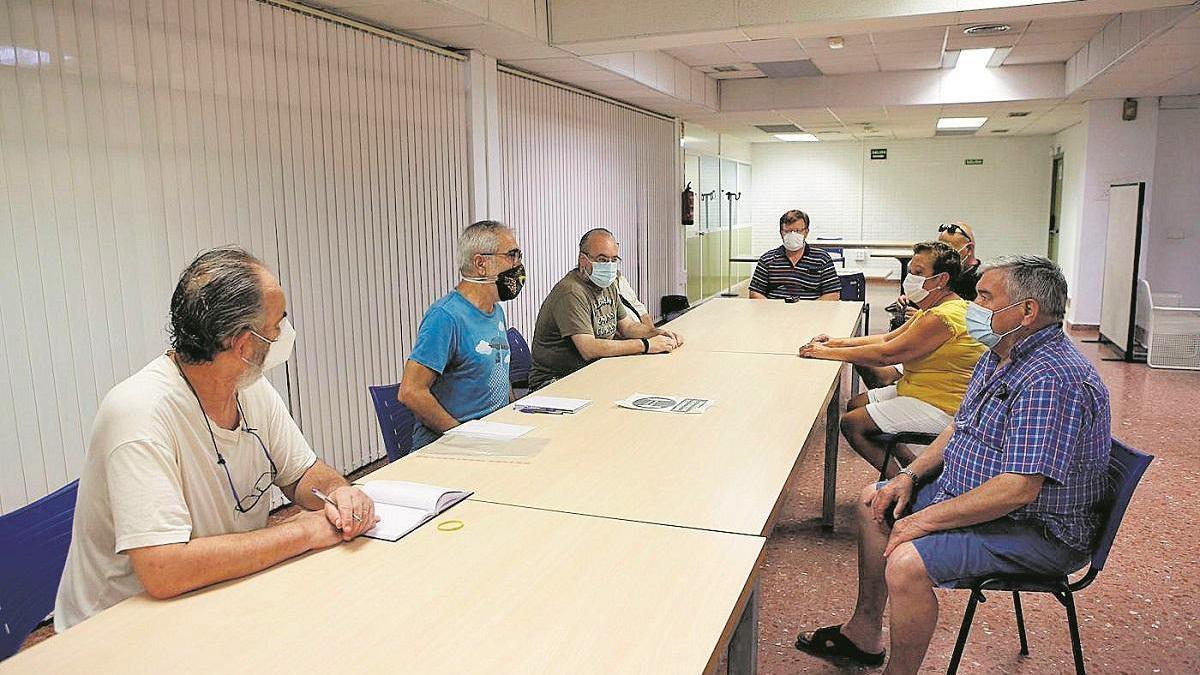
(645, 346)
(912, 475)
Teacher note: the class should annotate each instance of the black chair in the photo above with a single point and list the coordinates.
(890, 442)
(854, 289)
(1125, 469)
(673, 306)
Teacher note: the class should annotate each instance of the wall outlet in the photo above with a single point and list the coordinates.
(860, 255)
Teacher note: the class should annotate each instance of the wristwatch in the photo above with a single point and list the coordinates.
(645, 346)
(912, 475)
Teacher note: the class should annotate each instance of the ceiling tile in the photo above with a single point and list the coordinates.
(891, 62)
(778, 49)
(1093, 23)
(706, 55)
(849, 67)
(1051, 37)
(919, 35)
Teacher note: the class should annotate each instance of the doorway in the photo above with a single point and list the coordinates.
(1056, 190)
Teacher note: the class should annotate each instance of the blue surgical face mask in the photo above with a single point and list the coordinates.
(603, 274)
(979, 324)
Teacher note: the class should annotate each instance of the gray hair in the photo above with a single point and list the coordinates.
(1031, 276)
(218, 296)
(481, 237)
(594, 232)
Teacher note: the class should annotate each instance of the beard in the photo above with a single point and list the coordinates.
(254, 369)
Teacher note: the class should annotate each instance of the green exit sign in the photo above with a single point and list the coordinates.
(973, 162)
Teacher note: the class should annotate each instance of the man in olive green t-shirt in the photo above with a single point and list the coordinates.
(583, 320)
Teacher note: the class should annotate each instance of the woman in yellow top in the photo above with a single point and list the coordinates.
(937, 354)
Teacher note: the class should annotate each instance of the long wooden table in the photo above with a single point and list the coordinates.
(628, 542)
(516, 590)
(725, 469)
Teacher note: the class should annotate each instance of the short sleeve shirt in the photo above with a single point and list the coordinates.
(575, 306)
(1045, 412)
(151, 477)
(812, 276)
(468, 349)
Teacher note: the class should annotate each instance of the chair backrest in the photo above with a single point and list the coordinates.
(672, 306)
(520, 361)
(1125, 469)
(837, 253)
(854, 286)
(33, 550)
(395, 420)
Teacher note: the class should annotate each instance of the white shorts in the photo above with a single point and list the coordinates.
(893, 413)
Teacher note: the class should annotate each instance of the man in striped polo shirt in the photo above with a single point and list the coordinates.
(795, 270)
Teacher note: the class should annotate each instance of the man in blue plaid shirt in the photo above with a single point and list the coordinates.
(1012, 486)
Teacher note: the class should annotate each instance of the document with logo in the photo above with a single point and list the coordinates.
(664, 403)
(403, 506)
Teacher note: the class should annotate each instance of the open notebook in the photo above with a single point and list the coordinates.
(403, 507)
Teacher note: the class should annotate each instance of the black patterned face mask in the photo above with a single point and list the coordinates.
(510, 282)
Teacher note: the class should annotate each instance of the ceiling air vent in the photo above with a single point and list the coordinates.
(1019, 113)
(954, 132)
(779, 128)
(999, 131)
(726, 69)
(981, 29)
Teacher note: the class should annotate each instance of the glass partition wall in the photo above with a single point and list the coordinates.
(722, 225)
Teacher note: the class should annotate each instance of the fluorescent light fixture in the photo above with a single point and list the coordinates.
(808, 138)
(973, 59)
(961, 122)
(836, 42)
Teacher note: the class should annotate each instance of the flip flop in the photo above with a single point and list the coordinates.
(828, 642)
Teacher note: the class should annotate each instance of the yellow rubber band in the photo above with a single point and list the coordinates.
(450, 525)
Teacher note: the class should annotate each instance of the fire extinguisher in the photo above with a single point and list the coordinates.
(689, 205)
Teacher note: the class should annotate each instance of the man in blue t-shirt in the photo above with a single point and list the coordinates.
(458, 368)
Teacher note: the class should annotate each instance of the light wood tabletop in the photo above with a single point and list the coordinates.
(724, 469)
(514, 591)
(766, 326)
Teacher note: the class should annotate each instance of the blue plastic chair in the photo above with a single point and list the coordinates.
(838, 254)
(1125, 469)
(520, 360)
(33, 551)
(395, 420)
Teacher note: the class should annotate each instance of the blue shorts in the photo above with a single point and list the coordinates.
(954, 558)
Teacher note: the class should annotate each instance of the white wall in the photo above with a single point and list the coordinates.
(1072, 143)
(571, 162)
(1117, 152)
(1173, 237)
(921, 184)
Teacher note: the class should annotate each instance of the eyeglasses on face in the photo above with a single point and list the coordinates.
(514, 256)
(603, 258)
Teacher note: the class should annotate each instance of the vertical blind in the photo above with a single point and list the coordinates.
(571, 162)
(136, 133)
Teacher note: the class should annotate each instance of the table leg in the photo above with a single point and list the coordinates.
(743, 646)
(832, 430)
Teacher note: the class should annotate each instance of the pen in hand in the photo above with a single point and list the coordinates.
(325, 498)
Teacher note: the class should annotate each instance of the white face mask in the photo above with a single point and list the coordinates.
(793, 241)
(281, 347)
(914, 287)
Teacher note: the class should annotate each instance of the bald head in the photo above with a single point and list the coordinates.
(960, 237)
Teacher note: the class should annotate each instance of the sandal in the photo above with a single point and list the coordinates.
(829, 642)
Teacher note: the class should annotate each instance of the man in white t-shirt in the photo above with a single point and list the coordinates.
(174, 490)
(634, 307)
